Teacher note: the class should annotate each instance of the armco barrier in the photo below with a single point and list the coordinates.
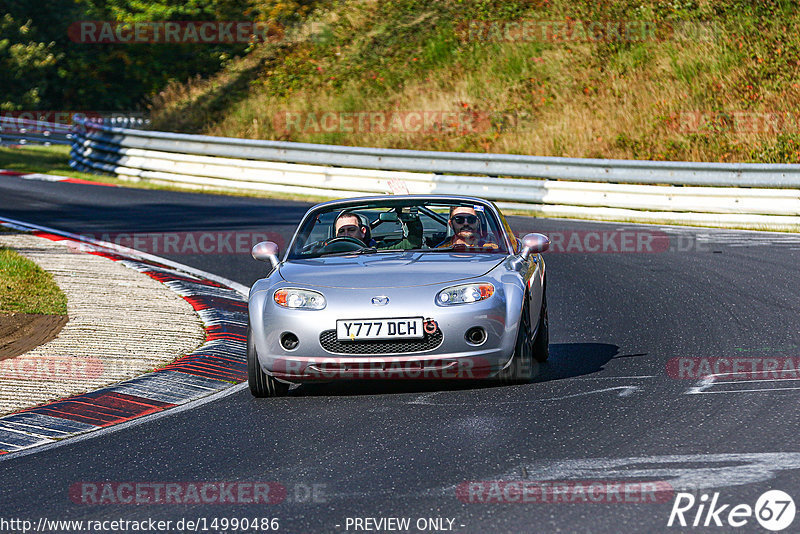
(16, 131)
(743, 195)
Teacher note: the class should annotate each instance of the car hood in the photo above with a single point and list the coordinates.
(388, 269)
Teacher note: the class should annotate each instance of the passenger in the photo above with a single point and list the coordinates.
(466, 227)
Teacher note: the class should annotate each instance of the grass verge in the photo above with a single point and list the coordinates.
(41, 159)
(27, 288)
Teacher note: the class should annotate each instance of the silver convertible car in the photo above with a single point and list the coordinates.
(398, 287)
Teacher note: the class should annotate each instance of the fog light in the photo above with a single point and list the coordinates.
(475, 335)
(289, 341)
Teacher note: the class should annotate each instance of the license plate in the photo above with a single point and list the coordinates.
(401, 328)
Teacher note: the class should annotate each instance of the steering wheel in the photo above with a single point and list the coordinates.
(341, 244)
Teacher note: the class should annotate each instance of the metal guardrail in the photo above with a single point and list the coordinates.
(126, 121)
(584, 169)
(16, 131)
(21, 131)
(749, 195)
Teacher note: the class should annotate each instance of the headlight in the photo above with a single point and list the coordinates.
(299, 299)
(464, 294)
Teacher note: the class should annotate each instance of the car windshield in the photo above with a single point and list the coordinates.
(400, 225)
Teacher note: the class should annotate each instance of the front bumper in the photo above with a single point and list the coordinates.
(453, 358)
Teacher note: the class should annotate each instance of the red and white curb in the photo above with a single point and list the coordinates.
(50, 178)
(217, 365)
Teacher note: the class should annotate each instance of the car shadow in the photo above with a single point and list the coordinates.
(566, 360)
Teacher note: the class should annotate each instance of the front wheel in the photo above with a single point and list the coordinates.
(541, 345)
(520, 371)
(261, 384)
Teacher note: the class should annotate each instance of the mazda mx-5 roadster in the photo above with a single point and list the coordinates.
(398, 287)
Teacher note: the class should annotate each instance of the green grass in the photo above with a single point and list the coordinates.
(27, 288)
(41, 159)
(579, 97)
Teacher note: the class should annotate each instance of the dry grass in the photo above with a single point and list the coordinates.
(545, 98)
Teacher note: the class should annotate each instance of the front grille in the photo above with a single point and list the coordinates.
(329, 342)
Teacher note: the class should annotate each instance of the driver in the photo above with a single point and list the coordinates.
(348, 224)
(466, 230)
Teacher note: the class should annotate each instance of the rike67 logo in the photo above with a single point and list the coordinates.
(774, 510)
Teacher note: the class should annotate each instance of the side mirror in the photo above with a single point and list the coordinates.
(534, 244)
(266, 251)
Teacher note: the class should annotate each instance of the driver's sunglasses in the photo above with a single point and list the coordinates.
(347, 229)
(461, 219)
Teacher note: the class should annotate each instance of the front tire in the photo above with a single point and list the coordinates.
(520, 371)
(261, 384)
(541, 345)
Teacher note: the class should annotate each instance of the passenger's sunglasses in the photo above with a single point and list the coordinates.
(461, 219)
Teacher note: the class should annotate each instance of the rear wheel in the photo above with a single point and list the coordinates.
(261, 384)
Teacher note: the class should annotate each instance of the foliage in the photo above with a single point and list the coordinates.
(605, 97)
(45, 70)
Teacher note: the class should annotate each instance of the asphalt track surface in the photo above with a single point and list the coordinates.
(606, 407)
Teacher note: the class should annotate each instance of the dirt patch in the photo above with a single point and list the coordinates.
(21, 332)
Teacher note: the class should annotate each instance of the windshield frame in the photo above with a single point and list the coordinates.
(379, 202)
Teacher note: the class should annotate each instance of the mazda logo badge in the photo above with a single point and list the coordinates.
(380, 301)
